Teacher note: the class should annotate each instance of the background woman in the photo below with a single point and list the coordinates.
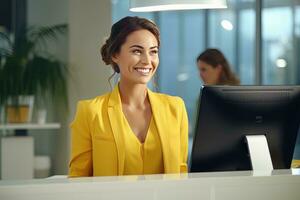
(214, 68)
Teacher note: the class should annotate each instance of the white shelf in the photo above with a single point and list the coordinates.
(29, 126)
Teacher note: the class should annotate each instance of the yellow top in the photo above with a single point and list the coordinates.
(98, 144)
(142, 158)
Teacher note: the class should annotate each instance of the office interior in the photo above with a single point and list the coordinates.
(261, 40)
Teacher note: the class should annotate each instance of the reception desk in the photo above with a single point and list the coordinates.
(278, 185)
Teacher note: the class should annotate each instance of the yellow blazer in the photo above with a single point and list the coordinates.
(97, 147)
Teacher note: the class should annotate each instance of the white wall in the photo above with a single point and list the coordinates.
(89, 23)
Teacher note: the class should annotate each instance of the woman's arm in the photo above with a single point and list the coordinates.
(81, 143)
(183, 139)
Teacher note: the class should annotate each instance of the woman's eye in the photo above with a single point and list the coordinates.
(153, 52)
(136, 51)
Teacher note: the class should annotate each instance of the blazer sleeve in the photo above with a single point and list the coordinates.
(184, 139)
(81, 143)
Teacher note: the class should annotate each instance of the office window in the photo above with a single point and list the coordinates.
(232, 31)
(280, 47)
(222, 32)
(245, 55)
(182, 35)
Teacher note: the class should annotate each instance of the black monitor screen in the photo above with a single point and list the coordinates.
(226, 114)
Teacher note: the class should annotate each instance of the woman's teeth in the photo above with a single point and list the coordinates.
(143, 70)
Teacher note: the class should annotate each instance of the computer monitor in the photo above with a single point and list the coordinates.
(227, 114)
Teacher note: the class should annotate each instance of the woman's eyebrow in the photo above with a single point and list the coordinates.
(154, 47)
(140, 47)
(136, 46)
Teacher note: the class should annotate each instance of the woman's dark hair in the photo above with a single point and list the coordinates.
(214, 57)
(119, 32)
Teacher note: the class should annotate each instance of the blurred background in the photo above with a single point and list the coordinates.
(261, 40)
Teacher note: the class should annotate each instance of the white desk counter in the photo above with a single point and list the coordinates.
(281, 185)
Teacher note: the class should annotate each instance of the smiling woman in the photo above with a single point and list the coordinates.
(127, 131)
(138, 57)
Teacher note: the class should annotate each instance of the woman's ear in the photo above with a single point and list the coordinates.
(219, 68)
(115, 58)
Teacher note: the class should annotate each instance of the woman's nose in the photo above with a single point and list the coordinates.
(146, 58)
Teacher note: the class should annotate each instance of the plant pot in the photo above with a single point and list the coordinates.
(21, 113)
(17, 114)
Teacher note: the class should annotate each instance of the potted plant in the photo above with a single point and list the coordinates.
(27, 70)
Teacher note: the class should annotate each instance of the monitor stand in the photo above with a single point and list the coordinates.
(259, 153)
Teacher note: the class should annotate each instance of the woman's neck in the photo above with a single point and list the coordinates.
(133, 95)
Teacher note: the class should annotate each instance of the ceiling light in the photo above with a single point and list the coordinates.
(227, 25)
(165, 5)
(281, 63)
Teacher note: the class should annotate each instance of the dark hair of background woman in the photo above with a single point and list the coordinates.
(119, 32)
(214, 57)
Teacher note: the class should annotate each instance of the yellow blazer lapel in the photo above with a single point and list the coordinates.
(161, 121)
(115, 117)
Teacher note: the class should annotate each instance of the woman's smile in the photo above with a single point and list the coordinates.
(143, 71)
